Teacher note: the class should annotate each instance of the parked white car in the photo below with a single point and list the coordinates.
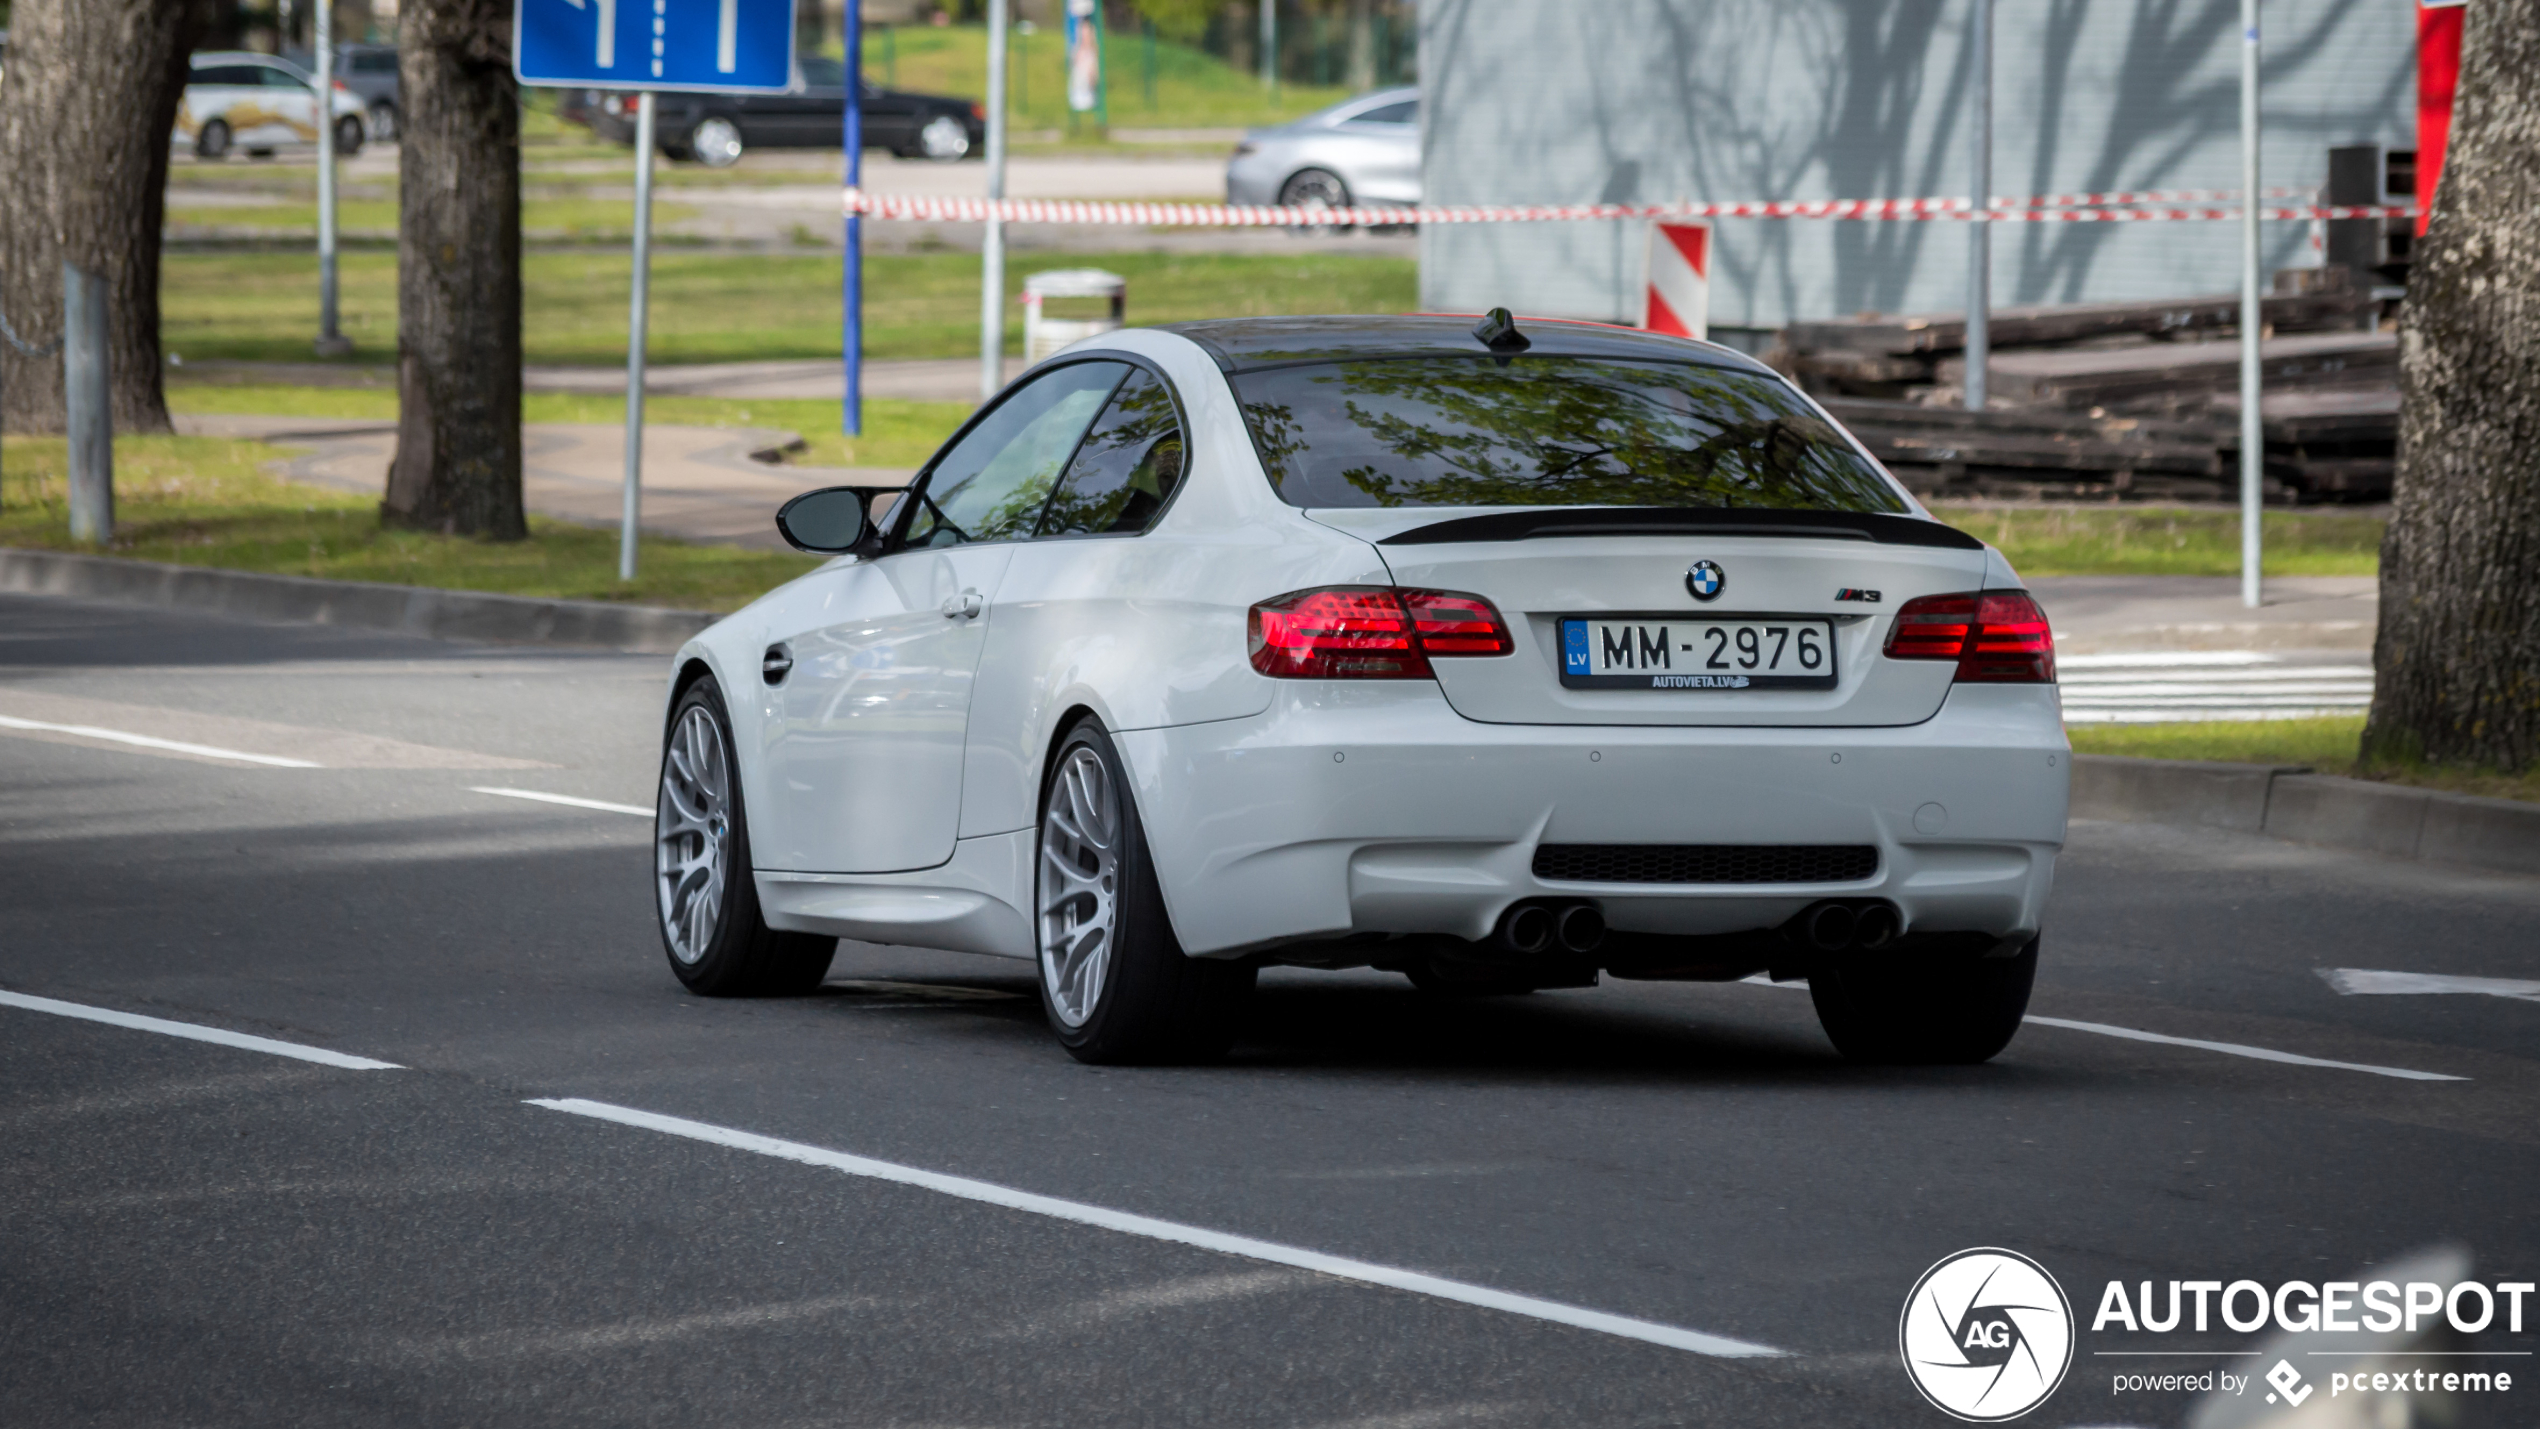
(242, 100)
(1499, 656)
(1360, 153)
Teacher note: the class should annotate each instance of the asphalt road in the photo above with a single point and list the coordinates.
(202, 1233)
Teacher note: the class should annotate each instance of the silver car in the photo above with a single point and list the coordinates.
(1360, 152)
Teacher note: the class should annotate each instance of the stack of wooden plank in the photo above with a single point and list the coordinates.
(2116, 400)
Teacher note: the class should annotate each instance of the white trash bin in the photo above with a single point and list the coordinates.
(1042, 334)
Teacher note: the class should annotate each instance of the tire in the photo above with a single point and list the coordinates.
(1115, 983)
(705, 902)
(1315, 188)
(715, 142)
(944, 139)
(383, 123)
(212, 140)
(1927, 1008)
(350, 130)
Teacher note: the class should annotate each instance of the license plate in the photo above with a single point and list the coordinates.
(1665, 653)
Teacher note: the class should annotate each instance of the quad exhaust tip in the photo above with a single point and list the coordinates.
(1580, 928)
(1532, 929)
(1832, 927)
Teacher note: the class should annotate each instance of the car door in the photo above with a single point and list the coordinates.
(864, 756)
(811, 115)
(1384, 153)
(214, 91)
(890, 118)
(290, 106)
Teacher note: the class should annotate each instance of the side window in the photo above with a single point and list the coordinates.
(992, 484)
(279, 78)
(1405, 112)
(1126, 469)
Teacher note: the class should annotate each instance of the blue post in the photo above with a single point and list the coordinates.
(851, 283)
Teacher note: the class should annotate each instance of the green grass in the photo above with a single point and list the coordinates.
(205, 502)
(1193, 89)
(574, 220)
(722, 307)
(2169, 541)
(896, 433)
(2327, 743)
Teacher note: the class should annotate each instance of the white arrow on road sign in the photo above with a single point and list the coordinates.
(607, 56)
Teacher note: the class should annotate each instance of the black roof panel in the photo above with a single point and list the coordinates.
(1246, 344)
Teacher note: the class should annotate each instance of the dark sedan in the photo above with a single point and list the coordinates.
(716, 129)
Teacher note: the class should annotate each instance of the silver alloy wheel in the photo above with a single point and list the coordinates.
(1079, 884)
(716, 143)
(944, 138)
(1315, 188)
(692, 834)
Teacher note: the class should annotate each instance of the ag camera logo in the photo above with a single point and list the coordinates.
(1987, 1335)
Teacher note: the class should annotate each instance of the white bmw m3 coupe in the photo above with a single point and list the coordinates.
(1500, 656)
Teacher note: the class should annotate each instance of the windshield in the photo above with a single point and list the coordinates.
(1549, 431)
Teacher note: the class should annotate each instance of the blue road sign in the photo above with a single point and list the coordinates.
(742, 46)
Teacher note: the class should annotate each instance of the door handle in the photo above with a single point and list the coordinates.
(963, 606)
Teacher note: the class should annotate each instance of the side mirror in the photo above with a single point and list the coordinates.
(829, 522)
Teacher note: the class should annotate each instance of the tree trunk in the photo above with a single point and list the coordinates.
(85, 114)
(458, 274)
(2457, 663)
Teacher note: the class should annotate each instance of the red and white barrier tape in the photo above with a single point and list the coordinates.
(2146, 196)
(1197, 215)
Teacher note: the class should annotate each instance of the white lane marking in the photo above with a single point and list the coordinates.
(568, 801)
(173, 746)
(2365, 982)
(194, 1032)
(634, 1334)
(2263, 1054)
(1127, 1224)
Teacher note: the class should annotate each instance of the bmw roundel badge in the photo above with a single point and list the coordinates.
(1705, 579)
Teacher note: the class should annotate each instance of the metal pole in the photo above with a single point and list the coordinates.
(86, 402)
(992, 239)
(2253, 441)
(330, 341)
(1270, 45)
(851, 280)
(631, 508)
(1979, 227)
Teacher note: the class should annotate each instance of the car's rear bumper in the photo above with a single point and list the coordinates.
(1359, 808)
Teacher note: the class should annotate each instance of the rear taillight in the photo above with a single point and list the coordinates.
(1450, 623)
(1371, 632)
(1997, 637)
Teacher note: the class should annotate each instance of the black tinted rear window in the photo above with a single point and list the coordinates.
(1548, 431)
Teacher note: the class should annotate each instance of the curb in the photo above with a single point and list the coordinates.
(2290, 802)
(362, 605)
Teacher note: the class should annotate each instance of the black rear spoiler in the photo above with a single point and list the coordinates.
(1689, 521)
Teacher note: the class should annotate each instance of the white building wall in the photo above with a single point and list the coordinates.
(1648, 101)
